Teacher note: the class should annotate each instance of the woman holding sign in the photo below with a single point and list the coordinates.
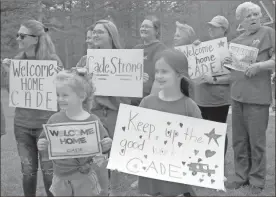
(150, 32)
(251, 98)
(34, 44)
(104, 35)
(212, 93)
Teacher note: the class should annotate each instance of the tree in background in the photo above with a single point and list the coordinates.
(68, 20)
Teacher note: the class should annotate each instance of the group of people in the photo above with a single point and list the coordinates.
(167, 88)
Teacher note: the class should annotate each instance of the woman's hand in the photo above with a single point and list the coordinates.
(6, 64)
(42, 144)
(106, 144)
(227, 60)
(145, 77)
(207, 79)
(253, 70)
(197, 42)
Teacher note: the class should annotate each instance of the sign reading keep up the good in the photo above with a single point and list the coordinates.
(168, 147)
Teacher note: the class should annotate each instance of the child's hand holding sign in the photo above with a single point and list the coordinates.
(42, 144)
(106, 144)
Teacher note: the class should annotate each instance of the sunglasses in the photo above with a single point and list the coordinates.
(22, 36)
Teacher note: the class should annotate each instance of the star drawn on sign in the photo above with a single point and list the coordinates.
(221, 44)
(212, 135)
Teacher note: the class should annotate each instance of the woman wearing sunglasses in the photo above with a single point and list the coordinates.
(34, 44)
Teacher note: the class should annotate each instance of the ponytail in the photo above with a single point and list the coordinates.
(184, 86)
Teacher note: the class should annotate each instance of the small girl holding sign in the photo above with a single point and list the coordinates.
(76, 176)
(173, 97)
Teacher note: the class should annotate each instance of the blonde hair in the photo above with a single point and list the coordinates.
(245, 7)
(112, 31)
(44, 47)
(80, 83)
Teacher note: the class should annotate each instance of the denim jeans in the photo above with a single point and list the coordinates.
(249, 125)
(27, 149)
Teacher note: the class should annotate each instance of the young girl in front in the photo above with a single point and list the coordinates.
(173, 97)
(75, 177)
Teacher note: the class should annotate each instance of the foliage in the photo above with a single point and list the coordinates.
(68, 20)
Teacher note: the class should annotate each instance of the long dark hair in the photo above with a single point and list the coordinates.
(178, 61)
(184, 87)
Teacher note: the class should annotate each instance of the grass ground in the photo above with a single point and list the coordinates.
(11, 178)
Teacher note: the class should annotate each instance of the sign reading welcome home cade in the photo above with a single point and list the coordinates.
(168, 147)
(32, 84)
(73, 140)
(117, 72)
(205, 58)
(242, 56)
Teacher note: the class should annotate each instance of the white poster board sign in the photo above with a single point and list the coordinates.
(117, 72)
(32, 84)
(168, 147)
(73, 140)
(205, 58)
(242, 56)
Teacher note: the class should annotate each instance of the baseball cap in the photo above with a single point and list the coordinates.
(219, 21)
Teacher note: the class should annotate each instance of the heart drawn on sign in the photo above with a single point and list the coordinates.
(180, 144)
(183, 163)
(196, 152)
(168, 123)
(209, 153)
(144, 168)
(124, 128)
(184, 173)
(140, 136)
(165, 142)
(199, 160)
(146, 156)
(200, 180)
(212, 181)
(122, 150)
(181, 125)
(216, 166)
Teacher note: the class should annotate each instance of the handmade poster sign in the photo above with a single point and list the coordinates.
(32, 84)
(117, 72)
(205, 58)
(168, 147)
(73, 140)
(242, 56)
